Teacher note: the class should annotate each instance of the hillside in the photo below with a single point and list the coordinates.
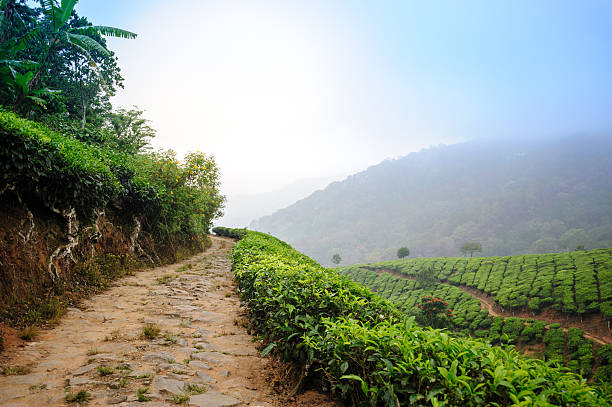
(553, 306)
(358, 346)
(513, 196)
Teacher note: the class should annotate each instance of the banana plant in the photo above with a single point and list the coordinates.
(53, 32)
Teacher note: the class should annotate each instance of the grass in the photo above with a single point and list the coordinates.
(170, 339)
(141, 394)
(185, 267)
(92, 352)
(123, 382)
(114, 336)
(80, 397)
(165, 279)
(180, 398)
(196, 388)
(105, 370)
(14, 370)
(150, 331)
(28, 333)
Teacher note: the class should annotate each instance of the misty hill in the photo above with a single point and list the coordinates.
(513, 196)
(242, 209)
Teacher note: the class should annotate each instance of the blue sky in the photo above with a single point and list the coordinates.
(284, 90)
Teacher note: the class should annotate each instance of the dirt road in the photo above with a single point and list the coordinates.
(201, 356)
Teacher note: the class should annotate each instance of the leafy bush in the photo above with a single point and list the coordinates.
(434, 312)
(229, 232)
(555, 341)
(364, 350)
(61, 171)
(169, 197)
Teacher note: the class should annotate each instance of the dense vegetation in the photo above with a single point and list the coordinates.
(576, 352)
(82, 155)
(574, 283)
(512, 196)
(362, 349)
(68, 159)
(229, 232)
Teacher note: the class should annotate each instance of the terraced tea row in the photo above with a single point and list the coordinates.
(358, 346)
(574, 351)
(574, 283)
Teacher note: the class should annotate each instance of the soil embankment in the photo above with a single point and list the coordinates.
(201, 356)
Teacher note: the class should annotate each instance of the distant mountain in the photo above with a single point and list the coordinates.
(513, 196)
(243, 209)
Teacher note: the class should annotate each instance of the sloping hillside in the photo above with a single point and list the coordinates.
(553, 306)
(514, 197)
(358, 346)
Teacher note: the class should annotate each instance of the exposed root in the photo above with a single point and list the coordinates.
(65, 251)
(135, 233)
(31, 232)
(96, 234)
(134, 245)
(141, 250)
(300, 382)
(8, 187)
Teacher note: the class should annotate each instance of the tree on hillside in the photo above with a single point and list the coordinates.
(471, 248)
(403, 252)
(336, 259)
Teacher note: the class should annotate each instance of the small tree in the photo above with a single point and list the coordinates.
(434, 313)
(336, 259)
(471, 248)
(403, 252)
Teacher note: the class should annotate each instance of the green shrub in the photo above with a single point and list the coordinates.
(229, 232)
(555, 343)
(363, 349)
(63, 172)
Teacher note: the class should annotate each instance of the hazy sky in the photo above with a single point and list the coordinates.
(283, 90)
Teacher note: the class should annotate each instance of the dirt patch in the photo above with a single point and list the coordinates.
(10, 337)
(195, 346)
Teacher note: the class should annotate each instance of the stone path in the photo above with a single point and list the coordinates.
(201, 356)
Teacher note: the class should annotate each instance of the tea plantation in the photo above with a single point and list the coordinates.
(576, 352)
(358, 346)
(575, 283)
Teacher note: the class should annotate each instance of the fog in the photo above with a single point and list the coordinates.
(286, 91)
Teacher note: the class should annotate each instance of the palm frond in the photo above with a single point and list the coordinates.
(50, 10)
(66, 11)
(48, 5)
(81, 48)
(88, 43)
(113, 32)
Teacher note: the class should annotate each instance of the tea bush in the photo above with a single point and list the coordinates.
(366, 352)
(169, 197)
(59, 170)
(229, 232)
(532, 282)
